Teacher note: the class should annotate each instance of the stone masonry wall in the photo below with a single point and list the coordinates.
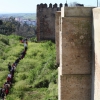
(96, 73)
(76, 45)
(46, 21)
(58, 15)
(75, 53)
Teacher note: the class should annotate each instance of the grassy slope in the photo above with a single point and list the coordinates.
(7, 54)
(36, 75)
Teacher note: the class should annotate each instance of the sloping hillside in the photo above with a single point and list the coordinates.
(36, 75)
(9, 51)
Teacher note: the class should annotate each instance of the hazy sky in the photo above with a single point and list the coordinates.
(29, 6)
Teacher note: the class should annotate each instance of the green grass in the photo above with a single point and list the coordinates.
(36, 75)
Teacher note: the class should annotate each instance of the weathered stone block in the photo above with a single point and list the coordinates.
(76, 45)
(75, 87)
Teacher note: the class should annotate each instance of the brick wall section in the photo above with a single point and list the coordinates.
(57, 15)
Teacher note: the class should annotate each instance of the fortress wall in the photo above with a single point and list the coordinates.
(75, 87)
(46, 21)
(60, 68)
(75, 53)
(76, 45)
(78, 11)
(96, 21)
(57, 17)
(59, 83)
(46, 24)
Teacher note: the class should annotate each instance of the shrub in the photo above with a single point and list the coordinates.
(41, 84)
(6, 41)
(33, 39)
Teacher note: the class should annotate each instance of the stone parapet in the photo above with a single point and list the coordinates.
(76, 11)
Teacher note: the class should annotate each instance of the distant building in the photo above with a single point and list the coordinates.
(27, 21)
(17, 19)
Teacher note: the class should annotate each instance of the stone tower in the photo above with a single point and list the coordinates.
(46, 21)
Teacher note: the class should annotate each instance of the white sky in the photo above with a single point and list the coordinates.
(29, 6)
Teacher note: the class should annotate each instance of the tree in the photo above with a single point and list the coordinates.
(1, 22)
(74, 4)
(12, 26)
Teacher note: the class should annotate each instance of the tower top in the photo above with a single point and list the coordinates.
(42, 6)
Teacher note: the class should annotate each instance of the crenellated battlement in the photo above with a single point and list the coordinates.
(46, 20)
(41, 6)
